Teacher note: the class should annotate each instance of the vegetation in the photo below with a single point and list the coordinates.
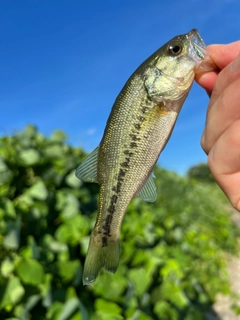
(201, 172)
(172, 251)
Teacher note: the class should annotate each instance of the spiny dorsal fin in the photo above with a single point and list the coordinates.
(87, 171)
(149, 191)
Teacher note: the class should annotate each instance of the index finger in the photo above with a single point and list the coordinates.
(222, 55)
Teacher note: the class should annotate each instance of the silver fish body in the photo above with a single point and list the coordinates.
(139, 126)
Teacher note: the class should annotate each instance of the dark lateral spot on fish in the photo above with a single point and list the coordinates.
(108, 219)
(118, 187)
(137, 126)
(111, 208)
(133, 145)
(125, 164)
(104, 241)
(114, 198)
(141, 118)
(134, 137)
(121, 174)
(127, 152)
(107, 225)
(144, 109)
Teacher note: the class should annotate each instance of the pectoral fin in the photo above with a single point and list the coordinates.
(148, 191)
(87, 171)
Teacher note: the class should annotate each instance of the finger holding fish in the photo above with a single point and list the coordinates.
(222, 55)
(220, 139)
(223, 107)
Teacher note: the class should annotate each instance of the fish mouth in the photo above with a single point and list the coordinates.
(198, 52)
(198, 44)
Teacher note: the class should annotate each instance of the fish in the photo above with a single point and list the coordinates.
(139, 125)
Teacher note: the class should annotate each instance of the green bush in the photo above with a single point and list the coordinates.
(172, 251)
(201, 172)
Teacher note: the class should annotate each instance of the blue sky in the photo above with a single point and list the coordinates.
(63, 62)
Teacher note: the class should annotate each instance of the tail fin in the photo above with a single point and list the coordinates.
(98, 257)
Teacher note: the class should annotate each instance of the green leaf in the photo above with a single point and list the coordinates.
(67, 269)
(55, 310)
(38, 191)
(116, 284)
(58, 136)
(3, 166)
(12, 238)
(47, 300)
(165, 311)
(140, 279)
(236, 309)
(30, 131)
(9, 208)
(71, 207)
(172, 268)
(173, 292)
(107, 309)
(12, 293)
(7, 267)
(24, 202)
(72, 181)
(73, 230)
(32, 301)
(30, 271)
(54, 151)
(34, 248)
(29, 157)
(69, 308)
(5, 177)
(46, 290)
(54, 245)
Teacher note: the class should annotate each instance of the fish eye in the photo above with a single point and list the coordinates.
(175, 48)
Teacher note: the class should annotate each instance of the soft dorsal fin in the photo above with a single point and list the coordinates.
(87, 171)
(149, 190)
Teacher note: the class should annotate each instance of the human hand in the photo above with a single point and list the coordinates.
(221, 136)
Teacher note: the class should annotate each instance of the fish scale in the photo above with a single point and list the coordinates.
(138, 128)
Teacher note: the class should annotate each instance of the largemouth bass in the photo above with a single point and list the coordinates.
(138, 128)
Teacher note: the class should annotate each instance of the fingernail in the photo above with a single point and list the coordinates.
(235, 64)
